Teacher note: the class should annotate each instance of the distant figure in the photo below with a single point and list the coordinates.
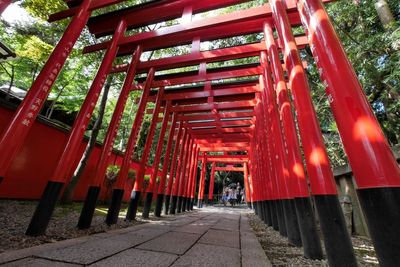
(225, 196)
(238, 192)
(232, 196)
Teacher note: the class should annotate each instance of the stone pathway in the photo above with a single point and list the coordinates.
(208, 237)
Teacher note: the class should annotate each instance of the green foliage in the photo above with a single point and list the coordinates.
(42, 8)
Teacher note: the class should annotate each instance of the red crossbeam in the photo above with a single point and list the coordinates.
(228, 115)
(233, 24)
(218, 106)
(229, 169)
(195, 58)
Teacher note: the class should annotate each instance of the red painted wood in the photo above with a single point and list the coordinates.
(317, 161)
(112, 131)
(123, 173)
(66, 166)
(370, 156)
(13, 137)
(147, 147)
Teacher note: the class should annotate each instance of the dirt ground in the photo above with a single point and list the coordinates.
(15, 217)
(280, 253)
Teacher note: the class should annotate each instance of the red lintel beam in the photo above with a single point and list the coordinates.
(226, 124)
(211, 159)
(229, 169)
(233, 73)
(223, 54)
(74, 7)
(228, 115)
(146, 13)
(218, 106)
(221, 140)
(223, 130)
(224, 149)
(205, 94)
(227, 144)
(233, 24)
(159, 12)
(226, 136)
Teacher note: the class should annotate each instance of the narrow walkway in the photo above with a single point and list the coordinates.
(208, 237)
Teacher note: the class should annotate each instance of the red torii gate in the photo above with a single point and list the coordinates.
(279, 190)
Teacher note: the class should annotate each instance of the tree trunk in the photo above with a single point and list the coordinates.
(50, 110)
(384, 12)
(68, 193)
(11, 82)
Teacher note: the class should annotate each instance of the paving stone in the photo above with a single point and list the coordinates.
(252, 252)
(194, 228)
(227, 225)
(221, 238)
(96, 249)
(210, 255)
(37, 262)
(183, 221)
(139, 258)
(172, 242)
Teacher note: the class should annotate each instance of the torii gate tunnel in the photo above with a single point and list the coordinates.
(244, 112)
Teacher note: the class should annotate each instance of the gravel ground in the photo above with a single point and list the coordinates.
(15, 217)
(280, 253)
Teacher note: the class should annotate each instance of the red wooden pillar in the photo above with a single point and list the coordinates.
(186, 175)
(139, 181)
(14, 135)
(263, 167)
(182, 173)
(166, 163)
(375, 168)
(194, 185)
(175, 189)
(298, 184)
(322, 183)
(190, 178)
(68, 160)
(288, 222)
(118, 190)
(153, 178)
(211, 186)
(168, 192)
(251, 188)
(275, 207)
(246, 182)
(202, 180)
(4, 4)
(88, 208)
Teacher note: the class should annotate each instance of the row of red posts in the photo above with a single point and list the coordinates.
(270, 120)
